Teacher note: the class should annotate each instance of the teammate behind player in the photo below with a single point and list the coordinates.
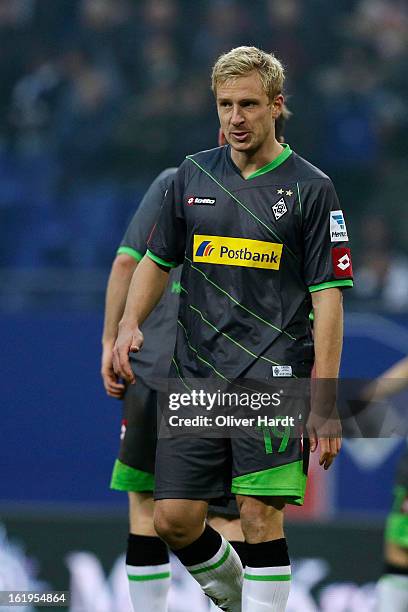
(237, 319)
(392, 588)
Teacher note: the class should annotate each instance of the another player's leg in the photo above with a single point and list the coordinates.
(147, 556)
(392, 587)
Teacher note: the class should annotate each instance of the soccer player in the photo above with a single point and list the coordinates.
(393, 585)
(147, 557)
(277, 246)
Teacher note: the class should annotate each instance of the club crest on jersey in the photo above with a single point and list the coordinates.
(245, 252)
(279, 209)
(201, 201)
(338, 230)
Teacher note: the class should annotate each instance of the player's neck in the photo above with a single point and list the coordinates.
(250, 161)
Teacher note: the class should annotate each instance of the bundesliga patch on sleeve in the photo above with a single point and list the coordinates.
(338, 230)
(341, 259)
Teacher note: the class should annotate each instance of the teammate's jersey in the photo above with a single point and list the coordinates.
(153, 361)
(253, 250)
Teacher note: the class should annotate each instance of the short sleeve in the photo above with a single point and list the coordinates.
(167, 242)
(327, 257)
(134, 242)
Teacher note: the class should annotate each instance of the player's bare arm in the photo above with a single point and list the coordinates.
(324, 425)
(146, 288)
(118, 284)
(393, 380)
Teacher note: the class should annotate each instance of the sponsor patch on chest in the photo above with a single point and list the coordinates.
(227, 251)
(201, 201)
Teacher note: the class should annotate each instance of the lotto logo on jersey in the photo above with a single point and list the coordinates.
(338, 230)
(201, 201)
(227, 251)
(342, 266)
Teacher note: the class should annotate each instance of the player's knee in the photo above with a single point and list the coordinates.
(171, 527)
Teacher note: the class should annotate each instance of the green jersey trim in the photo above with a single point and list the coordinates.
(248, 210)
(124, 250)
(126, 478)
(287, 481)
(275, 578)
(214, 566)
(330, 284)
(159, 260)
(236, 301)
(142, 578)
(287, 152)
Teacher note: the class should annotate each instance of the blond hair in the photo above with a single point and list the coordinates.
(243, 60)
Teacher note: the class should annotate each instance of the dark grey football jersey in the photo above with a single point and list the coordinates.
(253, 250)
(152, 363)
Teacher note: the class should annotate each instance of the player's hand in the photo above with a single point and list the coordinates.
(327, 432)
(113, 387)
(129, 340)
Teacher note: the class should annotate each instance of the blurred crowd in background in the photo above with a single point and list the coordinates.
(98, 96)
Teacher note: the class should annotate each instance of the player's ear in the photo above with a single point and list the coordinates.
(277, 105)
(221, 138)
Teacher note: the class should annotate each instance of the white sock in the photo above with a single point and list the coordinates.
(221, 577)
(266, 589)
(392, 593)
(149, 586)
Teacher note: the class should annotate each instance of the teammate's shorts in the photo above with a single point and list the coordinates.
(210, 468)
(134, 468)
(396, 528)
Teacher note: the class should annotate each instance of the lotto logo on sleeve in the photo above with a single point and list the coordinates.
(228, 251)
(342, 266)
(338, 230)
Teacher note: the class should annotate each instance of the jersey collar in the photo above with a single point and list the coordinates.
(287, 152)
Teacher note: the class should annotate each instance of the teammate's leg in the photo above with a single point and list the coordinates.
(147, 557)
(208, 557)
(392, 588)
(267, 573)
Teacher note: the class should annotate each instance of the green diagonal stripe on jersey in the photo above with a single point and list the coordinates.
(179, 375)
(300, 200)
(281, 331)
(275, 578)
(231, 339)
(198, 356)
(214, 566)
(249, 211)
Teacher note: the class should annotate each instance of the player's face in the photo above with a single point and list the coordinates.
(246, 114)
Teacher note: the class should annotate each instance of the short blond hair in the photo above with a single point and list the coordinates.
(243, 60)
